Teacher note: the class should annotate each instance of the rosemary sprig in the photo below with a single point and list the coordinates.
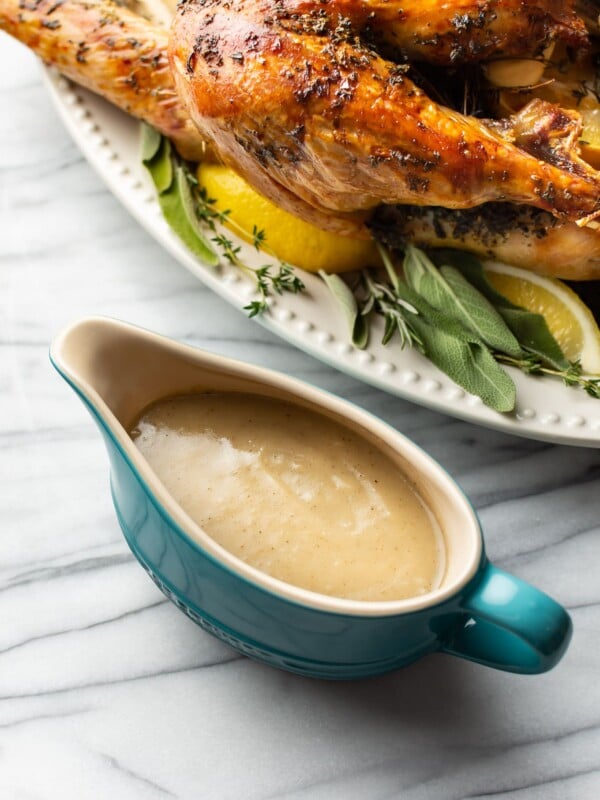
(383, 299)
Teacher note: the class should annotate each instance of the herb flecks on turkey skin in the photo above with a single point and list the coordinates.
(459, 31)
(519, 235)
(110, 50)
(321, 115)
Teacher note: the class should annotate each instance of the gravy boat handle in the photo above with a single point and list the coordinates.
(510, 625)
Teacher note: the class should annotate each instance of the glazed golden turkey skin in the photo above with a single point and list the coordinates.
(295, 94)
(316, 106)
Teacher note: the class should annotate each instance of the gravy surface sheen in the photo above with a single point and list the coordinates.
(294, 494)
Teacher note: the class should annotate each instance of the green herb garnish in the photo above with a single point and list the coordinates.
(357, 325)
(455, 317)
(191, 214)
(530, 329)
(171, 179)
(441, 304)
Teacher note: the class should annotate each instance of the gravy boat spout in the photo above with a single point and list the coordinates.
(477, 611)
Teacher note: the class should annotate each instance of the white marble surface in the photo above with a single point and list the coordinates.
(106, 690)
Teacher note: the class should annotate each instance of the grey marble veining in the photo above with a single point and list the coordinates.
(106, 690)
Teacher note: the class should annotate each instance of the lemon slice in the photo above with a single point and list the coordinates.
(590, 136)
(570, 321)
(289, 238)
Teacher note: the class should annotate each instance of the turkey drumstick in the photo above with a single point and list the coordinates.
(122, 56)
(317, 121)
(324, 116)
(110, 50)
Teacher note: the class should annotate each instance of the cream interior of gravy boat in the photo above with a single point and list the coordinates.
(120, 370)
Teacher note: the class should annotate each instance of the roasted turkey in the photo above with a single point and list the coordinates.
(318, 106)
(112, 51)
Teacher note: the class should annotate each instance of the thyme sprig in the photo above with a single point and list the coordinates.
(571, 376)
(278, 277)
(193, 214)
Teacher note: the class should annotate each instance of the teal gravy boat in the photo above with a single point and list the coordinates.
(478, 611)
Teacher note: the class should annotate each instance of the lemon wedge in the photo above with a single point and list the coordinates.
(289, 238)
(590, 136)
(570, 321)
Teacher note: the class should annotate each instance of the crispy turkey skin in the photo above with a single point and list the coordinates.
(323, 116)
(451, 32)
(113, 52)
(326, 127)
(519, 235)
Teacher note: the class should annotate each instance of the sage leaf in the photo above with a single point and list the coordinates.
(187, 201)
(160, 167)
(470, 364)
(469, 265)
(434, 316)
(360, 334)
(422, 276)
(534, 335)
(460, 353)
(150, 142)
(446, 290)
(501, 392)
(530, 329)
(178, 209)
(391, 325)
(174, 194)
(357, 322)
(480, 315)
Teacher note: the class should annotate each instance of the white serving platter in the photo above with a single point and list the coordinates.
(546, 410)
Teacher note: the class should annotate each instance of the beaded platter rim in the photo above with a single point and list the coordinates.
(546, 410)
